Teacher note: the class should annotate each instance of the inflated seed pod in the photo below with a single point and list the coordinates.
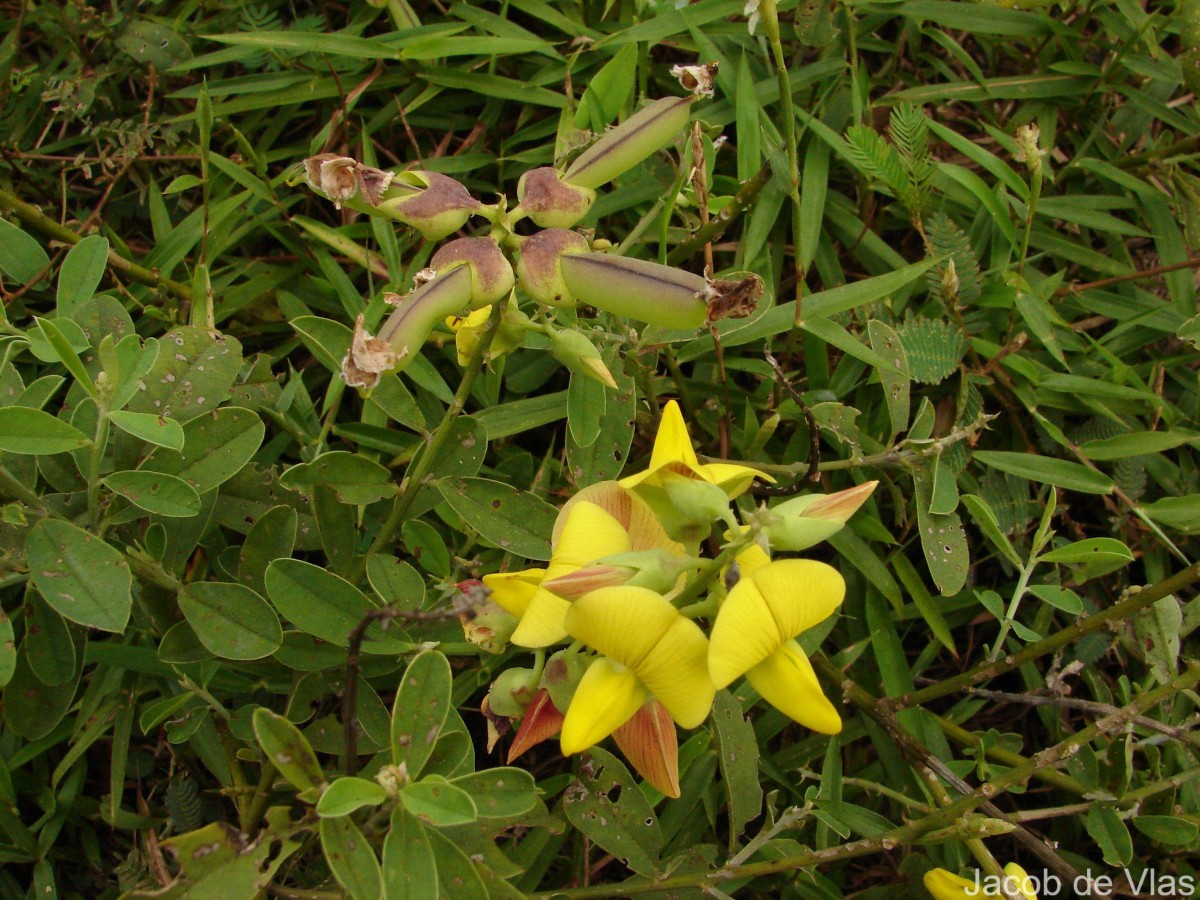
(623, 147)
(491, 274)
(538, 265)
(549, 201)
(580, 355)
(642, 290)
(434, 204)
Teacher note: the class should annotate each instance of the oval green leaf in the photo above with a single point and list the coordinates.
(36, 433)
(231, 620)
(438, 802)
(157, 430)
(215, 448)
(514, 520)
(156, 492)
(346, 795)
(81, 577)
(287, 749)
(1060, 472)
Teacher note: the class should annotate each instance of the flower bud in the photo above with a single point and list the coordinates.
(642, 290)
(549, 201)
(562, 674)
(434, 204)
(1028, 149)
(575, 584)
(469, 329)
(393, 779)
(491, 275)
(580, 355)
(542, 721)
(623, 147)
(539, 269)
(512, 692)
(802, 522)
(489, 627)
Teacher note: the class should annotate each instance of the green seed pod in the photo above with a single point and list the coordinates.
(538, 265)
(491, 274)
(407, 329)
(580, 355)
(549, 201)
(434, 204)
(646, 291)
(620, 149)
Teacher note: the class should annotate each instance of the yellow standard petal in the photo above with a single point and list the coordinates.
(786, 680)
(512, 591)
(624, 623)
(634, 514)
(672, 444)
(588, 533)
(607, 697)
(943, 885)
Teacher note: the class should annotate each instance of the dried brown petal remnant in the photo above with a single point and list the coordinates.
(729, 299)
(700, 80)
(368, 358)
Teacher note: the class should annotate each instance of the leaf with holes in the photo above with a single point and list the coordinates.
(81, 576)
(192, 374)
(514, 520)
(215, 448)
(607, 806)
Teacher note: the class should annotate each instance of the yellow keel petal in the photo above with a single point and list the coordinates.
(786, 680)
(607, 697)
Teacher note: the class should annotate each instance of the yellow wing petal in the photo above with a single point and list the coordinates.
(512, 591)
(543, 622)
(800, 593)
(624, 623)
(786, 680)
(588, 533)
(607, 697)
(731, 478)
(676, 672)
(743, 635)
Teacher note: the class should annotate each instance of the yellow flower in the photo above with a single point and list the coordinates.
(609, 521)
(943, 885)
(673, 453)
(686, 495)
(470, 328)
(649, 650)
(754, 632)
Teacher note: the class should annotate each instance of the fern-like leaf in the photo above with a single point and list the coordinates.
(934, 348)
(950, 241)
(878, 160)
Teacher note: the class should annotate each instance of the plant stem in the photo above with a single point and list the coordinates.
(414, 479)
(1013, 605)
(51, 229)
(1117, 612)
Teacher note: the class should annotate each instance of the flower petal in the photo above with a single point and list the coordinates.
(1021, 880)
(542, 622)
(542, 721)
(673, 443)
(634, 514)
(512, 591)
(607, 696)
(624, 623)
(943, 885)
(676, 672)
(743, 635)
(786, 680)
(649, 743)
(800, 593)
(588, 532)
(752, 559)
(732, 478)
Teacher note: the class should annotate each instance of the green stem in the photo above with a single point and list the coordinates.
(414, 479)
(1092, 623)
(95, 459)
(1011, 613)
(51, 229)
